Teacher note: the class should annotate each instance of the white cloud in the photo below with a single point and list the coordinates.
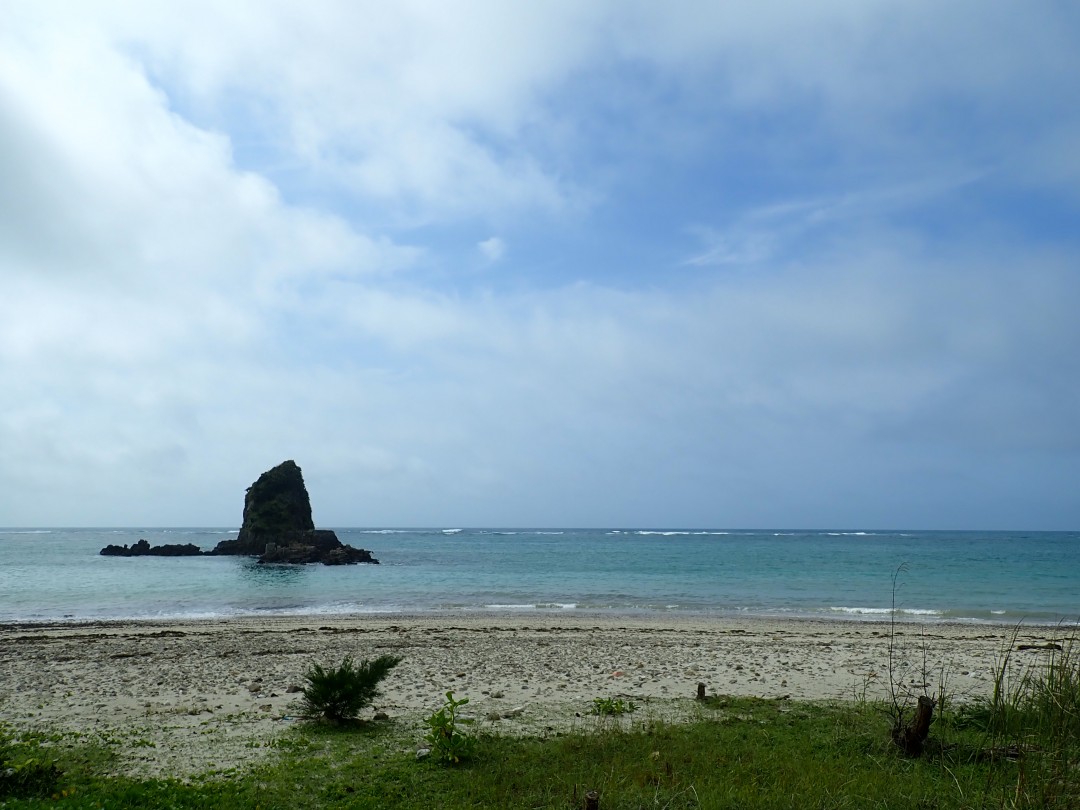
(442, 110)
(508, 409)
(760, 234)
(122, 201)
(492, 249)
(398, 104)
(223, 239)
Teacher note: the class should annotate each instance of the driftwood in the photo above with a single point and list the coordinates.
(912, 736)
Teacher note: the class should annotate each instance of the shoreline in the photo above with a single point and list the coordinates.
(867, 617)
(673, 619)
(213, 693)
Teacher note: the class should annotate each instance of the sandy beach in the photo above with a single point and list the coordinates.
(186, 697)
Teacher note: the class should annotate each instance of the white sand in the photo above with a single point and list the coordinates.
(184, 697)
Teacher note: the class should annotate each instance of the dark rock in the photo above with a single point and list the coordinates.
(319, 545)
(278, 527)
(144, 549)
(316, 546)
(347, 555)
(277, 504)
(275, 507)
(296, 553)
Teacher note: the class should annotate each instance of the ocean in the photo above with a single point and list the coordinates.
(57, 575)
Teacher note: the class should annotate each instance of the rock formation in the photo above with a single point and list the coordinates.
(318, 545)
(277, 510)
(144, 549)
(278, 527)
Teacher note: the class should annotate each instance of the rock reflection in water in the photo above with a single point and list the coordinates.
(273, 575)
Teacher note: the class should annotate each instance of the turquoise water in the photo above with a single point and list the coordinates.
(57, 574)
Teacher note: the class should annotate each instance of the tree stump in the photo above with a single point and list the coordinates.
(911, 737)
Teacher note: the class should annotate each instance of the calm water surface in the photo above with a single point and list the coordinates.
(57, 574)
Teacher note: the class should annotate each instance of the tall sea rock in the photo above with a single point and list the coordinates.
(278, 527)
(276, 508)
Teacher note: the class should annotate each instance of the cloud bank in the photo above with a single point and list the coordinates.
(771, 266)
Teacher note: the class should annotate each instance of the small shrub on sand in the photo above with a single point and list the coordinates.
(338, 694)
(449, 742)
(611, 707)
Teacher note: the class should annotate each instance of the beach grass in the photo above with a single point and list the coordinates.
(737, 753)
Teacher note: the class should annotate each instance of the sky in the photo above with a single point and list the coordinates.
(584, 264)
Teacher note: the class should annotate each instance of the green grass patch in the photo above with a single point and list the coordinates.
(611, 707)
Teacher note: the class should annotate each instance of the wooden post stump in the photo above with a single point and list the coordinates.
(701, 691)
(912, 737)
(592, 800)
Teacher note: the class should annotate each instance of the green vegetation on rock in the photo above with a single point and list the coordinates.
(276, 504)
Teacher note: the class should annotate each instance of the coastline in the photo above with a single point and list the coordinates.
(197, 695)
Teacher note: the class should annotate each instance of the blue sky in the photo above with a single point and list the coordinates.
(761, 264)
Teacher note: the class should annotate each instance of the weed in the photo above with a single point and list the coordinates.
(611, 707)
(449, 743)
(1033, 719)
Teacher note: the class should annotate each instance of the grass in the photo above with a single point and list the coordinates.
(739, 753)
(611, 707)
(1033, 718)
(1018, 749)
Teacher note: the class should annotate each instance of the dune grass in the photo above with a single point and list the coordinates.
(1033, 719)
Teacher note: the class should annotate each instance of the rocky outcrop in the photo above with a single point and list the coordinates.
(143, 549)
(316, 546)
(278, 527)
(277, 509)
